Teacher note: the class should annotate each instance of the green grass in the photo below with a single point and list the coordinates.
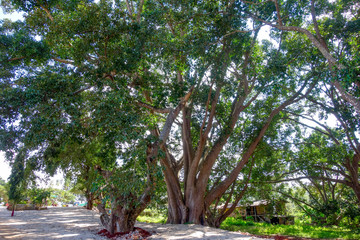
(151, 216)
(297, 230)
(148, 219)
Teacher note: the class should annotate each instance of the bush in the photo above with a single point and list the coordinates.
(39, 196)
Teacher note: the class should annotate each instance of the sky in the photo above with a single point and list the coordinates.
(5, 169)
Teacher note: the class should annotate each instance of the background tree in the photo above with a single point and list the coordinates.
(39, 197)
(301, 171)
(90, 73)
(228, 104)
(3, 190)
(324, 202)
(17, 181)
(333, 31)
(61, 196)
(78, 160)
(334, 149)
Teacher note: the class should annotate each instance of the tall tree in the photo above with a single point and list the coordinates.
(331, 148)
(75, 72)
(238, 95)
(130, 71)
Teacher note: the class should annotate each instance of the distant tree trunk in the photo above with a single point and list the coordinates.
(13, 209)
(352, 165)
(89, 204)
(356, 189)
(90, 200)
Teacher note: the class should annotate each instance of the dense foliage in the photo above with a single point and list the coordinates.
(3, 191)
(124, 96)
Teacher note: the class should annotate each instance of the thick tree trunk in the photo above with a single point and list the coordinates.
(195, 204)
(356, 189)
(192, 211)
(352, 166)
(120, 219)
(89, 204)
(177, 211)
(180, 209)
(123, 220)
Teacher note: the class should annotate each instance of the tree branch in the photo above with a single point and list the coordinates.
(63, 61)
(249, 152)
(47, 13)
(158, 110)
(140, 9)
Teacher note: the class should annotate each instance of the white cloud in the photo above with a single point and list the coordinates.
(13, 16)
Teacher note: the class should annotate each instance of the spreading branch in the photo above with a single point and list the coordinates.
(158, 110)
(48, 14)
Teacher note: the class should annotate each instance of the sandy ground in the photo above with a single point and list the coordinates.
(80, 224)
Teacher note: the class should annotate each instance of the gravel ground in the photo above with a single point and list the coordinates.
(80, 224)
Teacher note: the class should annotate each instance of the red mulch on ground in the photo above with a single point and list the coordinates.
(138, 233)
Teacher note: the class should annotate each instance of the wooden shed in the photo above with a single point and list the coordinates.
(263, 211)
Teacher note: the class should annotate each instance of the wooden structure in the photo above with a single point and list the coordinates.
(263, 211)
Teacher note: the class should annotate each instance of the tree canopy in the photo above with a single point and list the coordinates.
(128, 92)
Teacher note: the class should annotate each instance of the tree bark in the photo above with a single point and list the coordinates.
(356, 189)
(352, 166)
(89, 204)
(89, 197)
(13, 209)
(177, 211)
(196, 199)
(120, 219)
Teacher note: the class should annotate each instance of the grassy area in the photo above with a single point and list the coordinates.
(151, 216)
(297, 230)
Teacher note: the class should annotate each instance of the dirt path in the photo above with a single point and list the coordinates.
(54, 223)
(81, 224)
